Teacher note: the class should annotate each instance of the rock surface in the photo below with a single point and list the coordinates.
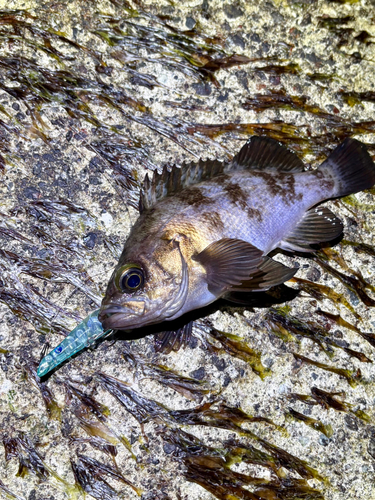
(92, 96)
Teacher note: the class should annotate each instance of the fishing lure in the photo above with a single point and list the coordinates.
(85, 334)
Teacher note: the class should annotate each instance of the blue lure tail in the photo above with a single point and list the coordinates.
(83, 335)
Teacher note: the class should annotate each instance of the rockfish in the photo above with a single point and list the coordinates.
(205, 230)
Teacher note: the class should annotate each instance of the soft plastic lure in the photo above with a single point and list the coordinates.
(83, 335)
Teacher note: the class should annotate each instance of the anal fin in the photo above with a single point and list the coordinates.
(318, 225)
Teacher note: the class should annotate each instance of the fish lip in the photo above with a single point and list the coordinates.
(118, 317)
(107, 311)
(121, 321)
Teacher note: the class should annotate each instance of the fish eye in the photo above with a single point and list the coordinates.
(129, 278)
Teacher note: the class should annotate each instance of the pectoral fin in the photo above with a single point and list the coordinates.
(269, 273)
(318, 225)
(275, 295)
(229, 263)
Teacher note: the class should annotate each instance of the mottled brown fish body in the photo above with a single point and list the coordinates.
(205, 230)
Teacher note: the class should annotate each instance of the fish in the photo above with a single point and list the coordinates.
(86, 334)
(206, 229)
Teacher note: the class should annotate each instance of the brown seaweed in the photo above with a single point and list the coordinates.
(233, 345)
(284, 325)
(315, 424)
(85, 407)
(281, 100)
(190, 388)
(278, 320)
(52, 407)
(321, 292)
(328, 400)
(212, 474)
(142, 409)
(352, 377)
(223, 417)
(210, 467)
(134, 37)
(353, 98)
(30, 461)
(355, 284)
(89, 474)
(8, 493)
(370, 337)
(93, 407)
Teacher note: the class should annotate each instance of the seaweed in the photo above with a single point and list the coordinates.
(189, 52)
(359, 247)
(13, 234)
(287, 460)
(211, 467)
(315, 424)
(55, 271)
(30, 461)
(277, 320)
(212, 474)
(333, 24)
(145, 410)
(353, 98)
(92, 406)
(352, 377)
(284, 325)
(328, 400)
(40, 73)
(223, 417)
(249, 454)
(28, 304)
(233, 345)
(281, 100)
(370, 337)
(103, 436)
(52, 407)
(89, 473)
(190, 388)
(8, 493)
(142, 409)
(321, 292)
(356, 284)
(185, 444)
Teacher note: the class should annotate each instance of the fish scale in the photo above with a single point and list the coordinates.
(238, 223)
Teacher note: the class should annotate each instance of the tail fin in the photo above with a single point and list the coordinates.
(351, 167)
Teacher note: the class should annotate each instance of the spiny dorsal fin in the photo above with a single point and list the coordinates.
(258, 153)
(173, 181)
(263, 153)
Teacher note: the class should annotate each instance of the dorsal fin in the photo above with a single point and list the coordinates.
(172, 181)
(258, 153)
(263, 153)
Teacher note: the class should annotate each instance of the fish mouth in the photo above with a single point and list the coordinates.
(116, 317)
